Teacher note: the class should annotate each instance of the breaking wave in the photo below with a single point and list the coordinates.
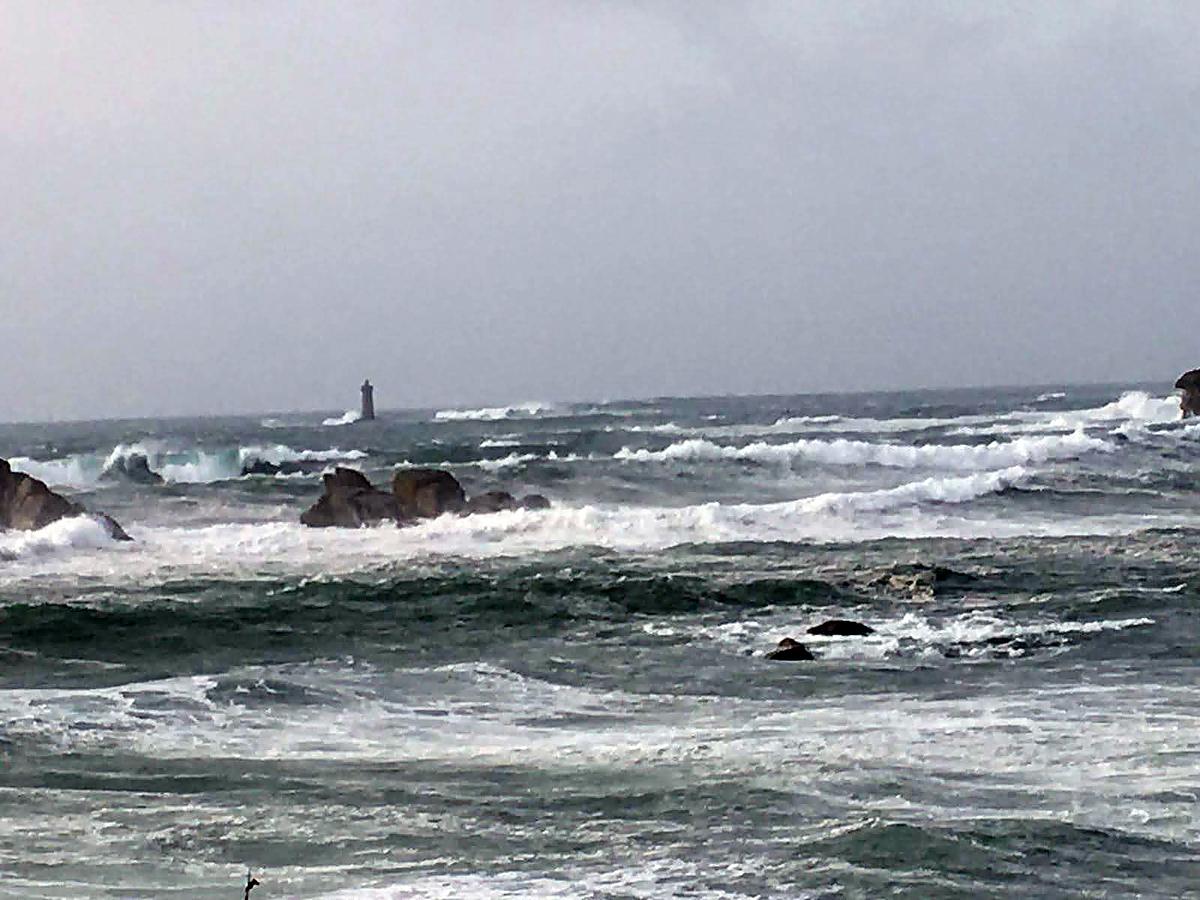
(349, 417)
(495, 413)
(195, 466)
(954, 457)
(77, 533)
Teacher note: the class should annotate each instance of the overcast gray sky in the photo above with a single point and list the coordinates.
(214, 207)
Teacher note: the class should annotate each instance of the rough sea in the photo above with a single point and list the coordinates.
(575, 703)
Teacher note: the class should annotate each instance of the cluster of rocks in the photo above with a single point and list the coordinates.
(791, 650)
(351, 501)
(27, 504)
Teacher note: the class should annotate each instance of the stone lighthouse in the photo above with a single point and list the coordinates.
(368, 401)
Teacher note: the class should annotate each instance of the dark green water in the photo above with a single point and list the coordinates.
(575, 703)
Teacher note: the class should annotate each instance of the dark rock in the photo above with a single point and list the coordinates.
(343, 479)
(287, 467)
(260, 467)
(135, 468)
(920, 581)
(790, 650)
(350, 501)
(26, 504)
(491, 502)
(1189, 383)
(114, 529)
(427, 493)
(534, 501)
(841, 628)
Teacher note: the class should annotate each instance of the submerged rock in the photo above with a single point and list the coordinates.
(1189, 403)
(791, 650)
(427, 493)
(841, 628)
(350, 501)
(135, 468)
(534, 501)
(27, 504)
(492, 501)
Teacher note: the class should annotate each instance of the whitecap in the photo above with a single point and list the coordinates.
(954, 457)
(65, 535)
(349, 417)
(531, 409)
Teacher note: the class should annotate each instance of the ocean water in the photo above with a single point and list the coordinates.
(574, 703)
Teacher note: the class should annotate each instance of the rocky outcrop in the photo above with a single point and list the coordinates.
(26, 504)
(841, 628)
(135, 468)
(427, 493)
(1189, 402)
(350, 501)
(791, 650)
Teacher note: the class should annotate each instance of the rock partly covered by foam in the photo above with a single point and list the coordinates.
(256, 466)
(26, 504)
(427, 493)
(1189, 383)
(135, 468)
(790, 650)
(351, 501)
(492, 501)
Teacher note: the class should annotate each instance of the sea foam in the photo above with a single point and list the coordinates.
(349, 417)
(954, 457)
(495, 413)
(190, 466)
(65, 535)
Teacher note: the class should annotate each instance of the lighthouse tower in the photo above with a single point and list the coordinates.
(368, 401)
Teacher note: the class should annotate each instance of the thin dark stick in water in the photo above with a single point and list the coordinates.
(251, 884)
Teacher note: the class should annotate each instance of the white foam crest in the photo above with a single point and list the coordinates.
(1140, 406)
(252, 549)
(1130, 412)
(195, 466)
(281, 453)
(520, 459)
(71, 471)
(508, 440)
(1137, 406)
(495, 413)
(349, 417)
(1051, 395)
(970, 634)
(204, 467)
(63, 536)
(955, 457)
(830, 516)
(123, 452)
(507, 462)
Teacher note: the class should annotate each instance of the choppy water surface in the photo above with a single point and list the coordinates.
(574, 702)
